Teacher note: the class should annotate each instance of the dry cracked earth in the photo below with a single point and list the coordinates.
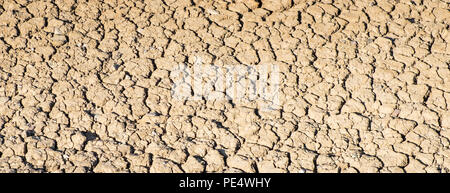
(85, 86)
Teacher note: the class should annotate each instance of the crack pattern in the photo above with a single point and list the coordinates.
(85, 86)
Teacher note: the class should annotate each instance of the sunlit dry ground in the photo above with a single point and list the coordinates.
(86, 87)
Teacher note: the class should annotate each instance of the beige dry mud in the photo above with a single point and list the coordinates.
(85, 86)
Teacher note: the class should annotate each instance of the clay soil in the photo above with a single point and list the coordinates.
(85, 86)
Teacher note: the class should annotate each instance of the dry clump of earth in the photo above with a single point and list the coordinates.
(85, 86)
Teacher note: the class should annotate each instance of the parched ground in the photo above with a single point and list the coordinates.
(86, 87)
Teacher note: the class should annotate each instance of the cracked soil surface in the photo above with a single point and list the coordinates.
(85, 86)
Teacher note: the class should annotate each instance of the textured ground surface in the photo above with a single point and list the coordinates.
(85, 86)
